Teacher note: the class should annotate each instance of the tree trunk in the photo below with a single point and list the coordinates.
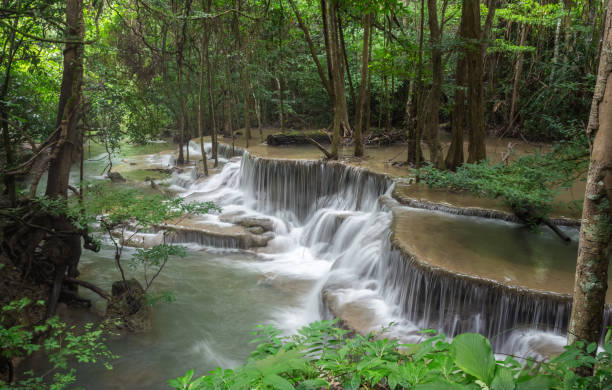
(454, 157)
(181, 38)
(414, 136)
(591, 281)
(246, 86)
(70, 98)
(281, 112)
(9, 180)
(474, 56)
(324, 80)
(345, 57)
(518, 70)
(203, 48)
(340, 121)
(211, 103)
(432, 103)
(359, 112)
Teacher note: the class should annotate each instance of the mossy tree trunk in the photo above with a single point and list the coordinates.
(591, 281)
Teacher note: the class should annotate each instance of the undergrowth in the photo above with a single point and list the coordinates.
(323, 356)
(533, 180)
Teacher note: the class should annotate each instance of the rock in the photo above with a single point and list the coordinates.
(248, 222)
(115, 177)
(259, 240)
(128, 308)
(255, 230)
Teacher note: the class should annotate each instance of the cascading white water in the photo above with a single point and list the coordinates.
(332, 230)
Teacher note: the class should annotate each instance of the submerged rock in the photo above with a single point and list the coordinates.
(128, 308)
(116, 177)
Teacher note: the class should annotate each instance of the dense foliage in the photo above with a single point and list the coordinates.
(532, 180)
(322, 355)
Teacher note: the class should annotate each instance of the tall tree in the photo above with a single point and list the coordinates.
(180, 36)
(431, 110)
(203, 50)
(67, 150)
(363, 88)
(475, 91)
(68, 147)
(340, 122)
(454, 156)
(594, 247)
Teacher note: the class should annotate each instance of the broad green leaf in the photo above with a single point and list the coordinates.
(277, 382)
(441, 385)
(536, 383)
(503, 380)
(472, 353)
(312, 384)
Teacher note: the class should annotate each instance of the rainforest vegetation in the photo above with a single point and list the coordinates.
(422, 86)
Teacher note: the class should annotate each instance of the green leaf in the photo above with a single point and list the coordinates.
(277, 382)
(536, 383)
(312, 384)
(503, 380)
(472, 353)
(441, 385)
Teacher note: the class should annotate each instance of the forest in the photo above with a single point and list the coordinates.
(280, 194)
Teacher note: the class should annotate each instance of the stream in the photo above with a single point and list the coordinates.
(331, 255)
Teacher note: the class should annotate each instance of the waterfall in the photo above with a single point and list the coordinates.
(333, 226)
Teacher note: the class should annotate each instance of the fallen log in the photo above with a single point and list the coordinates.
(386, 138)
(296, 138)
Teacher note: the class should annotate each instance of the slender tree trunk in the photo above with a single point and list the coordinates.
(203, 48)
(518, 70)
(474, 56)
(340, 121)
(359, 112)
(246, 85)
(211, 102)
(432, 103)
(324, 80)
(454, 157)
(591, 283)
(181, 38)
(9, 180)
(368, 104)
(555, 59)
(345, 57)
(414, 133)
(281, 112)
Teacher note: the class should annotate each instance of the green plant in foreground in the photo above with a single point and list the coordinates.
(324, 356)
(60, 343)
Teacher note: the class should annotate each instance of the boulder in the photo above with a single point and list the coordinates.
(255, 230)
(258, 240)
(265, 224)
